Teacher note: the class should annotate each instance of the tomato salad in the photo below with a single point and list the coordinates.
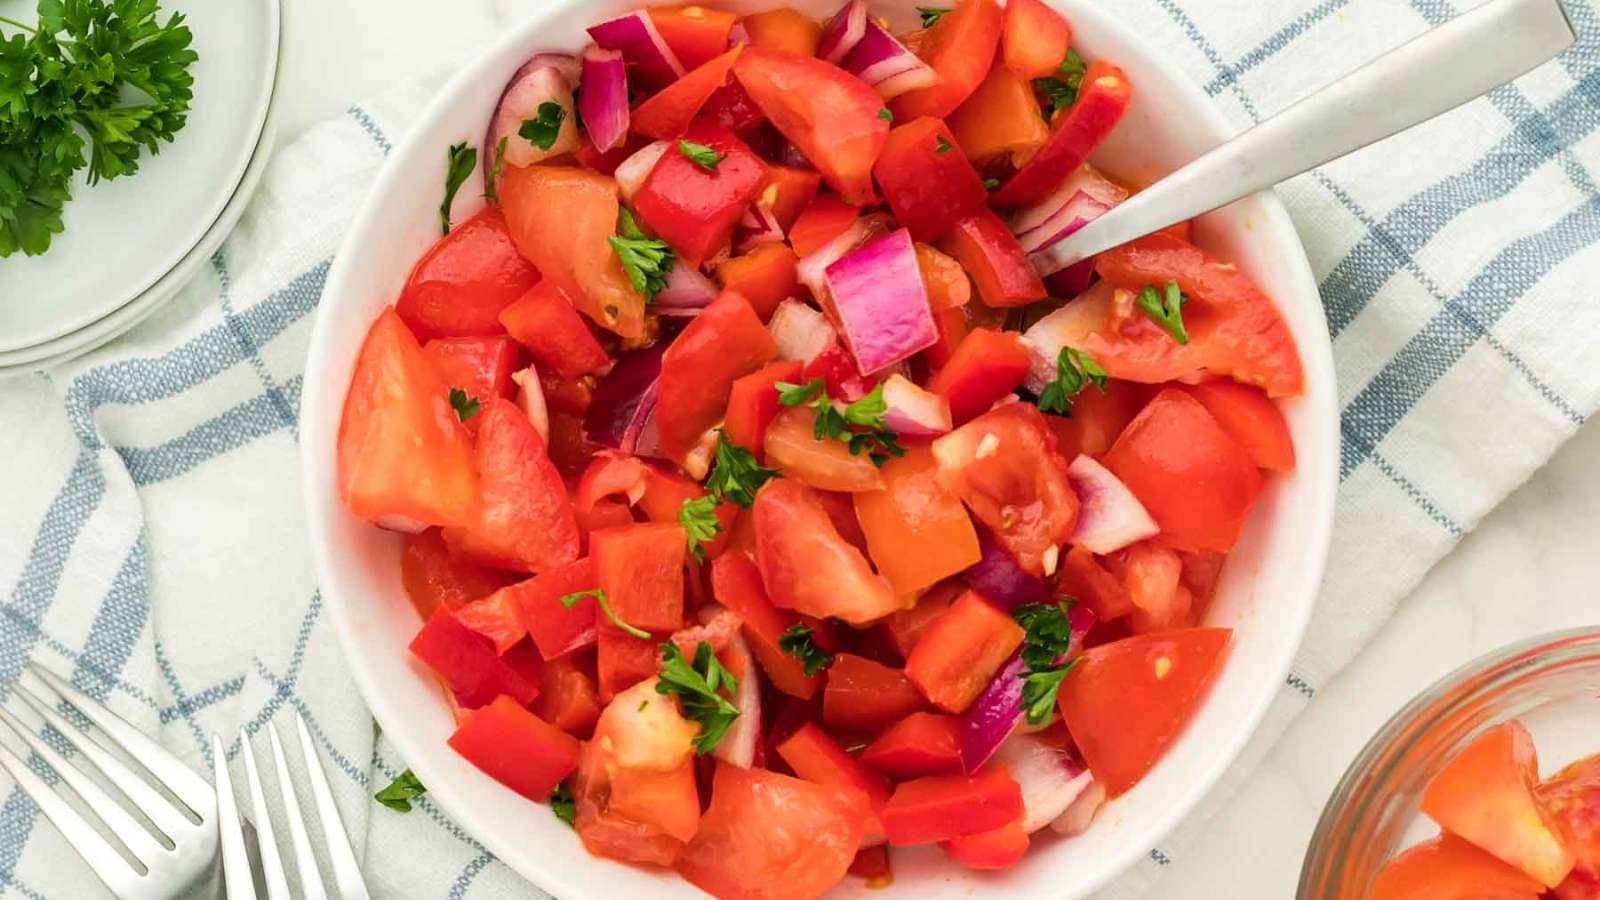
(765, 508)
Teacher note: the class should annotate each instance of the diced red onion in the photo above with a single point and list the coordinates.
(1079, 211)
(632, 172)
(1071, 281)
(543, 79)
(1085, 179)
(1110, 517)
(812, 270)
(883, 62)
(757, 227)
(881, 302)
(530, 399)
(604, 99)
(686, 289)
(1061, 328)
(401, 523)
(738, 744)
(800, 331)
(910, 80)
(625, 400)
(642, 45)
(1077, 817)
(913, 411)
(1050, 777)
(1080, 619)
(1000, 580)
(843, 32)
(992, 717)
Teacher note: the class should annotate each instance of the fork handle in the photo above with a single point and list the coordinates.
(1438, 71)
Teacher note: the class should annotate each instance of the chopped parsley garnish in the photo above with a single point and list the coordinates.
(859, 425)
(699, 520)
(543, 129)
(1049, 636)
(735, 475)
(798, 641)
(496, 163)
(1061, 89)
(646, 261)
(465, 406)
(990, 184)
(1165, 308)
(941, 145)
(562, 804)
(599, 595)
(1075, 371)
(700, 687)
(701, 155)
(401, 791)
(459, 162)
(930, 15)
(885, 114)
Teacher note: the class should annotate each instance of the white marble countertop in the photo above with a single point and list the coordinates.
(1527, 569)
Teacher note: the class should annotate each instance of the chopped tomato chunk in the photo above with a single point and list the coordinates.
(496, 617)
(788, 191)
(942, 807)
(698, 369)
(1249, 417)
(694, 33)
(736, 583)
(806, 566)
(621, 659)
(567, 697)
(961, 651)
(1035, 39)
(784, 29)
(480, 367)
(1571, 800)
(926, 178)
(920, 744)
(1083, 576)
(792, 447)
(822, 220)
(1001, 121)
(765, 276)
(1449, 868)
(907, 626)
(434, 577)
(459, 287)
(998, 848)
(1098, 417)
(517, 748)
(544, 321)
(917, 532)
(862, 696)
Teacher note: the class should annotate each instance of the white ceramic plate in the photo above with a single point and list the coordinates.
(125, 236)
(1266, 593)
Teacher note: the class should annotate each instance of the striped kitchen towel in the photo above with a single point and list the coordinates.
(151, 541)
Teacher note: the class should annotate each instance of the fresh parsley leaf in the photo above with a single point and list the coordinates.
(562, 803)
(941, 145)
(859, 425)
(459, 162)
(543, 129)
(1075, 371)
(496, 163)
(699, 154)
(791, 394)
(990, 184)
(1061, 89)
(700, 688)
(466, 407)
(1165, 308)
(646, 261)
(599, 595)
(1048, 639)
(699, 520)
(735, 475)
(930, 15)
(798, 642)
(400, 792)
(1040, 689)
(885, 114)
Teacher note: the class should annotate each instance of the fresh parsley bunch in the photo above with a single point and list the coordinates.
(102, 76)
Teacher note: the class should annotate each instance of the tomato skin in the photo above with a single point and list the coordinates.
(555, 629)
(767, 836)
(567, 697)
(791, 446)
(435, 577)
(819, 759)
(917, 532)
(961, 651)
(480, 366)
(524, 520)
(641, 570)
(831, 115)
(726, 341)
(988, 364)
(468, 664)
(1035, 40)
(1195, 481)
(753, 403)
(516, 748)
(736, 583)
(544, 321)
(942, 807)
(695, 210)
(863, 696)
(999, 848)
(1448, 868)
(1249, 417)
(402, 452)
(805, 564)
(765, 276)
(784, 29)
(822, 220)
(1001, 120)
(960, 47)
(459, 286)
(1572, 800)
(1128, 700)
(696, 34)
(919, 745)
(926, 179)
(990, 253)
(1102, 100)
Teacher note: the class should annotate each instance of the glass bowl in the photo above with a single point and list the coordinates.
(1550, 682)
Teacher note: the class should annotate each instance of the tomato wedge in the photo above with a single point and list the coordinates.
(765, 276)
(634, 793)
(694, 33)
(479, 366)
(1249, 417)
(792, 447)
(1449, 868)
(1001, 120)
(1035, 39)
(723, 343)
(544, 320)
(960, 47)
(805, 564)
(784, 29)
(1572, 800)
(459, 287)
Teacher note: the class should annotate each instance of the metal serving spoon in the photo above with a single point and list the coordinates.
(1459, 61)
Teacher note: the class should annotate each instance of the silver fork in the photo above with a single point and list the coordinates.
(174, 855)
(235, 858)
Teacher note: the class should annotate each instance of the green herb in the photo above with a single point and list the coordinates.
(400, 792)
(645, 260)
(798, 642)
(1061, 89)
(102, 73)
(700, 688)
(930, 15)
(1165, 308)
(940, 144)
(860, 424)
(466, 407)
(885, 114)
(496, 163)
(543, 129)
(459, 162)
(1074, 372)
(701, 155)
(1048, 638)
(699, 520)
(735, 475)
(990, 184)
(599, 595)
(562, 803)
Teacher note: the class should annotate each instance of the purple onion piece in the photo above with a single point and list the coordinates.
(843, 32)
(603, 102)
(642, 45)
(625, 399)
(1000, 580)
(993, 716)
(882, 302)
(1071, 281)
(881, 60)
(686, 288)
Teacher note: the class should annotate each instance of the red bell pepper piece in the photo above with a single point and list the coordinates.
(788, 191)
(459, 286)
(524, 520)
(953, 329)
(667, 114)
(921, 744)
(753, 402)
(403, 455)
(820, 760)
(765, 276)
(1001, 120)
(544, 321)
(496, 617)
(567, 697)
(784, 29)
(989, 252)
(961, 651)
(926, 179)
(863, 697)
(468, 664)
(693, 209)
(695, 34)
(434, 577)
(517, 748)
(641, 571)
(960, 47)
(479, 366)
(723, 343)
(822, 220)
(941, 807)
(558, 630)
(1249, 417)
(664, 495)
(1195, 480)
(1102, 100)
(1035, 39)
(829, 114)
(906, 626)
(622, 660)
(1000, 848)
(987, 365)
(736, 583)
(917, 532)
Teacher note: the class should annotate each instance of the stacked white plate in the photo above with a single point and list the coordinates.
(131, 243)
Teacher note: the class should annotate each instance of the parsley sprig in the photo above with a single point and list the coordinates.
(735, 475)
(1049, 635)
(401, 791)
(698, 516)
(700, 687)
(1061, 89)
(543, 129)
(645, 260)
(496, 163)
(599, 595)
(465, 406)
(860, 424)
(1075, 370)
(798, 641)
(699, 154)
(1165, 308)
(459, 161)
(930, 15)
(563, 804)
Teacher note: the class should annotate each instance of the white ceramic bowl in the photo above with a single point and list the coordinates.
(1266, 593)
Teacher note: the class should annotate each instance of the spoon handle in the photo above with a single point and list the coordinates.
(1438, 71)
